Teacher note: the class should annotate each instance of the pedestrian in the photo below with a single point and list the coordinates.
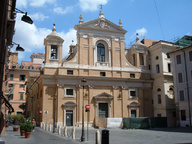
(34, 124)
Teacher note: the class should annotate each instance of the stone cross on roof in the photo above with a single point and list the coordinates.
(101, 6)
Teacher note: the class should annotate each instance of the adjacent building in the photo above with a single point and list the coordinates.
(162, 75)
(182, 71)
(17, 77)
(7, 24)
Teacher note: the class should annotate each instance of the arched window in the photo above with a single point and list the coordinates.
(158, 89)
(100, 53)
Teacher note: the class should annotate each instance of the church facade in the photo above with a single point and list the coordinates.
(118, 81)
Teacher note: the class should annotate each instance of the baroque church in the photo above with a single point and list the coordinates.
(99, 72)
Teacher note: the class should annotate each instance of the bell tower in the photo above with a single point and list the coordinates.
(53, 48)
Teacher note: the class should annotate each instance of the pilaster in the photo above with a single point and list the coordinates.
(91, 54)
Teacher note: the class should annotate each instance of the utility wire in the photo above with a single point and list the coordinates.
(159, 20)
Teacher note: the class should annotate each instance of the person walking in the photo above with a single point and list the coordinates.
(34, 124)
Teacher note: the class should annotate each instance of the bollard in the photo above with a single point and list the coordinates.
(59, 130)
(41, 125)
(65, 131)
(73, 133)
(44, 126)
(47, 127)
(98, 137)
(105, 136)
(51, 127)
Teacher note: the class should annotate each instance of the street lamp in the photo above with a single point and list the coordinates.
(54, 111)
(25, 17)
(83, 131)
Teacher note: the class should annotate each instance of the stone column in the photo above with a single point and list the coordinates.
(91, 54)
(109, 49)
(115, 90)
(124, 101)
(90, 96)
(122, 47)
(112, 51)
(141, 102)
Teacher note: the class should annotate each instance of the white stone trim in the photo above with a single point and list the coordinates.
(133, 89)
(70, 87)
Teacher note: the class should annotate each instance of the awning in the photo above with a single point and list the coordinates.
(7, 104)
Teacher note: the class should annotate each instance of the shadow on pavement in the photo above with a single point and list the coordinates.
(177, 129)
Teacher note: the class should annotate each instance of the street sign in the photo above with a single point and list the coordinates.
(88, 107)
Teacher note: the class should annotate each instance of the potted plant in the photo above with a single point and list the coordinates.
(22, 128)
(17, 120)
(28, 128)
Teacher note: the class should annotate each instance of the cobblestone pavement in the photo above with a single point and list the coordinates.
(116, 136)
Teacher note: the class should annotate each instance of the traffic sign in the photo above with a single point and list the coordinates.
(88, 107)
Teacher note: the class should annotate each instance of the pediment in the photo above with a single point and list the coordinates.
(133, 104)
(103, 95)
(101, 24)
(69, 104)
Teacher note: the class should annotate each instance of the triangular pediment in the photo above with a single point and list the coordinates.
(103, 95)
(101, 24)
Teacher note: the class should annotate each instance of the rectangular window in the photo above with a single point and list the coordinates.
(133, 113)
(30, 67)
(11, 85)
(158, 115)
(132, 75)
(21, 97)
(53, 52)
(174, 114)
(69, 72)
(178, 57)
(132, 93)
(169, 67)
(183, 115)
(168, 56)
(190, 56)
(181, 95)
(19, 112)
(10, 97)
(21, 86)
(69, 92)
(22, 77)
(102, 74)
(11, 77)
(159, 99)
(157, 69)
(180, 78)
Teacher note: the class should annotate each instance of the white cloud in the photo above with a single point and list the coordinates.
(38, 16)
(39, 3)
(31, 38)
(141, 32)
(91, 5)
(60, 10)
(21, 3)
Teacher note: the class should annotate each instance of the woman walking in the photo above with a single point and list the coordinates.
(34, 124)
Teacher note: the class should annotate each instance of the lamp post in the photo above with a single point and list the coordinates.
(54, 111)
(83, 131)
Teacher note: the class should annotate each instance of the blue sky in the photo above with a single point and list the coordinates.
(152, 19)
